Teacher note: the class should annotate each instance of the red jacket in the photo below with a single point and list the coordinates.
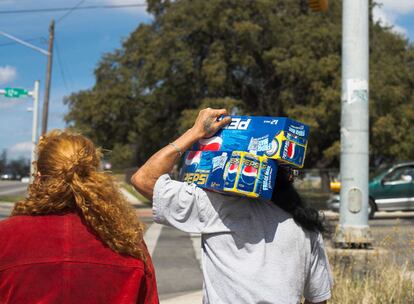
(56, 259)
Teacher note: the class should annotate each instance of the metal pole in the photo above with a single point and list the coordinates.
(353, 230)
(34, 127)
(48, 77)
(29, 45)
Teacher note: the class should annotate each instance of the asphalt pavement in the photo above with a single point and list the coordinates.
(176, 255)
(12, 187)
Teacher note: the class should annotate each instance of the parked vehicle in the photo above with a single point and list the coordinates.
(7, 176)
(392, 189)
(25, 179)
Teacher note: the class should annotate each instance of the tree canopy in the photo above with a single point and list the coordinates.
(261, 57)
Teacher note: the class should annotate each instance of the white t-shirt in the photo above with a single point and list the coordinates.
(252, 251)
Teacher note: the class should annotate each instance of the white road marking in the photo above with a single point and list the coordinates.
(14, 190)
(196, 240)
(151, 237)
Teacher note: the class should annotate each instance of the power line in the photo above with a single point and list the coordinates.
(70, 11)
(62, 9)
(62, 73)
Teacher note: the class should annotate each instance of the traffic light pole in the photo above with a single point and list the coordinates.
(17, 93)
(35, 95)
(353, 230)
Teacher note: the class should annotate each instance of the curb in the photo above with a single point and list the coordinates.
(130, 197)
(331, 215)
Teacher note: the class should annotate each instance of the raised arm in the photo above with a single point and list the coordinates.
(206, 125)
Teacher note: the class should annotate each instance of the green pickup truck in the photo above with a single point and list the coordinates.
(392, 189)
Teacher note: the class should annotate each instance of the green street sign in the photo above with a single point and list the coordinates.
(15, 92)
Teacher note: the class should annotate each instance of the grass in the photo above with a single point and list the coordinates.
(11, 198)
(386, 277)
(131, 190)
(120, 178)
(384, 282)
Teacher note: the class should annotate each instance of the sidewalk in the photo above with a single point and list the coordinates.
(193, 297)
(6, 207)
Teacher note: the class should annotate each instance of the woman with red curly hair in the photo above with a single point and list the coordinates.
(74, 239)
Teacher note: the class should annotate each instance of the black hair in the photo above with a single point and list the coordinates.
(286, 197)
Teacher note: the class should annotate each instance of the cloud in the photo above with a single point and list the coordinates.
(6, 1)
(141, 10)
(19, 150)
(398, 6)
(388, 12)
(21, 147)
(7, 74)
(6, 103)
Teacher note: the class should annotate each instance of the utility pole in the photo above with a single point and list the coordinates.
(48, 77)
(35, 95)
(353, 230)
(48, 80)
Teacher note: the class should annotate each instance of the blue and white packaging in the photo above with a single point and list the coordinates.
(277, 138)
(231, 172)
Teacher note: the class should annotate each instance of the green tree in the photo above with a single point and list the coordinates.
(261, 57)
(391, 96)
(19, 167)
(3, 161)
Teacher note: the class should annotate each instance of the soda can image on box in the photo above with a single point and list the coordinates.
(230, 172)
(249, 172)
(278, 138)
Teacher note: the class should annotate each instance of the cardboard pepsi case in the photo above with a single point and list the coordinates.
(279, 138)
(231, 172)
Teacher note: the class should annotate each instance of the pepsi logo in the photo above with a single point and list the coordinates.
(249, 171)
(210, 144)
(249, 175)
(233, 168)
(232, 172)
(193, 157)
(291, 150)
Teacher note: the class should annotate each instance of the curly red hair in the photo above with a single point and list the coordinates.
(68, 180)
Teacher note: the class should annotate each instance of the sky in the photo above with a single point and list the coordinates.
(81, 38)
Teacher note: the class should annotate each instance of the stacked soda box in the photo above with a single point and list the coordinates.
(233, 172)
(242, 158)
(277, 138)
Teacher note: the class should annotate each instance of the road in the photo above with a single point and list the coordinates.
(12, 188)
(176, 255)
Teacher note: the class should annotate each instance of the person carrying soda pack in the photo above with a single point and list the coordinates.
(253, 251)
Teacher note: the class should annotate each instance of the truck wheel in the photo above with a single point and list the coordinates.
(371, 208)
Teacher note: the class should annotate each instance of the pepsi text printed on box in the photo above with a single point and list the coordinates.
(231, 172)
(278, 138)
